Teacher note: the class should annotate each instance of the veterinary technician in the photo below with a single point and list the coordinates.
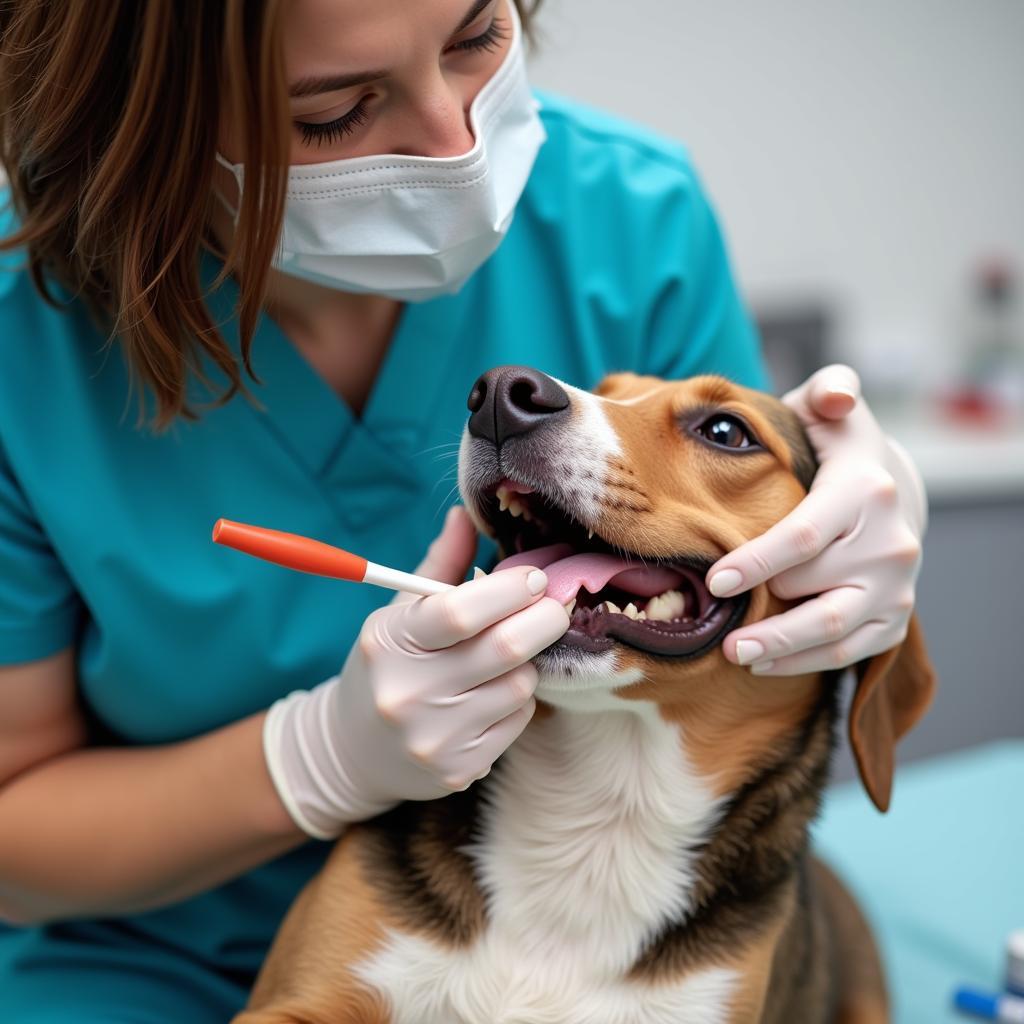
(181, 727)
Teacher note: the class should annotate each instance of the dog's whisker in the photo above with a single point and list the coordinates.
(441, 480)
(444, 501)
(434, 447)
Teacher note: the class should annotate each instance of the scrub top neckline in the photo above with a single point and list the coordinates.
(313, 420)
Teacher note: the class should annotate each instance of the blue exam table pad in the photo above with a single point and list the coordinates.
(940, 876)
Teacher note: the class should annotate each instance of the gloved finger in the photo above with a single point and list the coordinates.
(458, 766)
(501, 647)
(800, 536)
(442, 620)
(498, 698)
(876, 553)
(830, 393)
(495, 740)
(836, 566)
(462, 716)
(867, 640)
(450, 553)
(831, 617)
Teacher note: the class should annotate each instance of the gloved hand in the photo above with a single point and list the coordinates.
(432, 692)
(855, 541)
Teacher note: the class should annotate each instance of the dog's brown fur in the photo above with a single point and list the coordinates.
(761, 903)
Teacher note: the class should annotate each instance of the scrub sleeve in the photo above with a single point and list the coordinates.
(613, 262)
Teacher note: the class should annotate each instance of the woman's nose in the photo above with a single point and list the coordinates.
(441, 123)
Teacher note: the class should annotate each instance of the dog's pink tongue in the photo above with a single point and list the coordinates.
(568, 572)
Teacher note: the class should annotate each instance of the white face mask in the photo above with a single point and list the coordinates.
(414, 227)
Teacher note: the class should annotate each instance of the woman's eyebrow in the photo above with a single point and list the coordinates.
(332, 83)
(473, 12)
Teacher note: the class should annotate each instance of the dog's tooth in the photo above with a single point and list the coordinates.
(590, 534)
(514, 507)
(502, 496)
(570, 607)
(611, 606)
(674, 603)
(478, 572)
(669, 605)
(641, 616)
(630, 610)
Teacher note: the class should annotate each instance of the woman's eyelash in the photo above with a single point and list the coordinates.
(495, 33)
(331, 131)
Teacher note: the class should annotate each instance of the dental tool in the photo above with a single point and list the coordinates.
(294, 551)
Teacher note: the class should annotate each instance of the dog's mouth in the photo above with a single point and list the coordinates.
(654, 604)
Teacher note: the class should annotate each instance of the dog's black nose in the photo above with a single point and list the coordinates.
(512, 400)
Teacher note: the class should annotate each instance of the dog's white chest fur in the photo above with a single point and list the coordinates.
(585, 853)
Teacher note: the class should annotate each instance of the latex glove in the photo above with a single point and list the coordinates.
(855, 541)
(432, 692)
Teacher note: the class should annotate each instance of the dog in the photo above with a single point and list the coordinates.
(639, 855)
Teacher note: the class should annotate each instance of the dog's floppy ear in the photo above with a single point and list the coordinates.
(894, 689)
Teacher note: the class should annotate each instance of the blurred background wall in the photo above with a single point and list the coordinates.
(870, 152)
(867, 163)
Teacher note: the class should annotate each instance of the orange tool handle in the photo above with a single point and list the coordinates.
(290, 550)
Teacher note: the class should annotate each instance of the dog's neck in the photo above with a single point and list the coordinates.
(597, 834)
(589, 834)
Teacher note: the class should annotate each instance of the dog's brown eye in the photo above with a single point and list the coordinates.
(726, 431)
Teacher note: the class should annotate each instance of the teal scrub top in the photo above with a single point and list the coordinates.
(613, 262)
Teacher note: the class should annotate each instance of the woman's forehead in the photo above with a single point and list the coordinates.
(332, 36)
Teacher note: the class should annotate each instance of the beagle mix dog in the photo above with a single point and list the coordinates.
(640, 854)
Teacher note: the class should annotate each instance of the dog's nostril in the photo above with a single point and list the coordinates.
(477, 396)
(524, 395)
(511, 400)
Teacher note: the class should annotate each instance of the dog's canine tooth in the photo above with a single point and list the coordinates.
(478, 572)
(503, 497)
(590, 534)
(571, 606)
(515, 507)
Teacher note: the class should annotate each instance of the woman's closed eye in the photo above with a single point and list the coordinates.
(329, 132)
(492, 36)
(485, 34)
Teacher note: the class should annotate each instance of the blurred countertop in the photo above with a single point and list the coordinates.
(960, 461)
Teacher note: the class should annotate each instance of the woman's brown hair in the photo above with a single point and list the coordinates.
(108, 133)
